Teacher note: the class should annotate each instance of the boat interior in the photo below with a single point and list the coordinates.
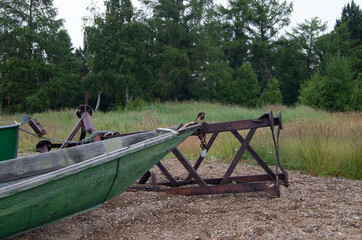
(19, 169)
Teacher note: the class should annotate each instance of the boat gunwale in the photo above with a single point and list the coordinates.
(98, 160)
(10, 126)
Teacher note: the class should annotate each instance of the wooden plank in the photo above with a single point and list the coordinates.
(47, 162)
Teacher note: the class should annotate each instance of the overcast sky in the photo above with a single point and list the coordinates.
(72, 12)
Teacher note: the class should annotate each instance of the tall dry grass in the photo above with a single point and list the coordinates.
(316, 142)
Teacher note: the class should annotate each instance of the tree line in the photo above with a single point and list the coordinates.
(179, 50)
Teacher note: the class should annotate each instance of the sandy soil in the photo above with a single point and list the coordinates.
(311, 208)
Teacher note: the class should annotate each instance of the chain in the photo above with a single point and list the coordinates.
(84, 141)
(90, 138)
(202, 138)
(50, 139)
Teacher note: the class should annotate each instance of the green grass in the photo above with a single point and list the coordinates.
(315, 142)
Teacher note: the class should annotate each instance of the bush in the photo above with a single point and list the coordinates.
(137, 104)
(310, 92)
(272, 94)
(244, 90)
(333, 92)
(356, 98)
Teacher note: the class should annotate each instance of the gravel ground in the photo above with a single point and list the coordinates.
(311, 208)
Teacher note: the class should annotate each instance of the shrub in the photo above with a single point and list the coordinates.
(272, 94)
(137, 104)
(332, 92)
(244, 90)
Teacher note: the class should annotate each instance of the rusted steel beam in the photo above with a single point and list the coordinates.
(167, 174)
(154, 181)
(238, 156)
(88, 123)
(162, 168)
(189, 168)
(237, 179)
(263, 121)
(37, 127)
(144, 178)
(83, 132)
(72, 134)
(269, 187)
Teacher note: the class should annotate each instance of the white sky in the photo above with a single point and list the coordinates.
(327, 10)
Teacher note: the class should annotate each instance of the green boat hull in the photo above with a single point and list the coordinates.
(8, 141)
(70, 190)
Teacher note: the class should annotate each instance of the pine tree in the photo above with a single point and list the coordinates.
(268, 18)
(352, 16)
(29, 56)
(306, 35)
(116, 54)
(272, 94)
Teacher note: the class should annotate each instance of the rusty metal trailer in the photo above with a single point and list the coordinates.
(195, 184)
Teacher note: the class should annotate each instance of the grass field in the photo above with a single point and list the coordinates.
(315, 142)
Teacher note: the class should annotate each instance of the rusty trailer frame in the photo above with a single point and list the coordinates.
(195, 184)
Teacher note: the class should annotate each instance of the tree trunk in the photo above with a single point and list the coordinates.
(175, 96)
(9, 102)
(31, 27)
(98, 101)
(127, 96)
(308, 62)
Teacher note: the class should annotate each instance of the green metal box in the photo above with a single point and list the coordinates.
(9, 141)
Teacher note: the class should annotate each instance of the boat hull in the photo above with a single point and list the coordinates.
(66, 194)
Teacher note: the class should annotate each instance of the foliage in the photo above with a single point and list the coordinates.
(234, 31)
(356, 97)
(34, 55)
(306, 34)
(352, 16)
(311, 141)
(290, 69)
(136, 105)
(269, 17)
(244, 90)
(181, 48)
(272, 94)
(332, 91)
(178, 50)
(117, 54)
(310, 91)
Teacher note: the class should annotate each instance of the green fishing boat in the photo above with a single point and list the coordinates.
(40, 189)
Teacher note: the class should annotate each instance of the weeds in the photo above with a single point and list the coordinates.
(316, 142)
